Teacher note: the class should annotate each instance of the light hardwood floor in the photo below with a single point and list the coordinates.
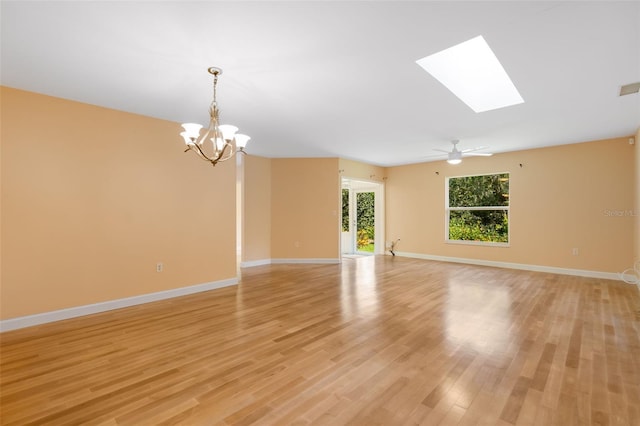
(376, 340)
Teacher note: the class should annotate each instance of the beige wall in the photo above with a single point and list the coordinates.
(357, 170)
(637, 198)
(561, 198)
(93, 198)
(286, 201)
(257, 209)
(305, 206)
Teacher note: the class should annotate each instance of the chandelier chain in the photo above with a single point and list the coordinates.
(215, 88)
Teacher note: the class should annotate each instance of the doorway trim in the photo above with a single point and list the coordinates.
(378, 188)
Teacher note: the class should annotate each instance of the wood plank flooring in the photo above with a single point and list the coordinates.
(378, 340)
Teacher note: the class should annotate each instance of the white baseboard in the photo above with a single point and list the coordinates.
(251, 263)
(78, 311)
(261, 262)
(306, 260)
(509, 265)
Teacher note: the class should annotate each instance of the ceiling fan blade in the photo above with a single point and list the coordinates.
(477, 154)
(478, 148)
(441, 150)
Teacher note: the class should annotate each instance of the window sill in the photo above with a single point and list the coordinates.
(477, 243)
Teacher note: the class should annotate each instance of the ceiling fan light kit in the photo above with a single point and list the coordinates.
(455, 155)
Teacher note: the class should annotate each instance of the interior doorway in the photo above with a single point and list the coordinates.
(362, 230)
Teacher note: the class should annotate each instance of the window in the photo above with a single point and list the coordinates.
(478, 209)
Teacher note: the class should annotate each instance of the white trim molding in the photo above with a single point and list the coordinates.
(78, 311)
(509, 265)
(306, 260)
(252, 263)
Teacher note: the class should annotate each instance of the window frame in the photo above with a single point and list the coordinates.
(448, 210)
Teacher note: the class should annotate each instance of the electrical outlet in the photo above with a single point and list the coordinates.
(574, 251)
(159, 267)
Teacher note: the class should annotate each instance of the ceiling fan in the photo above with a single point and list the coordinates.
(455, 155)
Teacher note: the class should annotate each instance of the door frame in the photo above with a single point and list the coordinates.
(364, 185)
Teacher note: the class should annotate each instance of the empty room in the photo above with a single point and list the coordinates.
(320, 213)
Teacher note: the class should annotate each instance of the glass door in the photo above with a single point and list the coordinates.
(347, 239)
(362, 227)
(365, 226)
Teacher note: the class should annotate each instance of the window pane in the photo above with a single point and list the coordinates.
(479, 191)
(365, 206)
(345, 210)
(479, 225)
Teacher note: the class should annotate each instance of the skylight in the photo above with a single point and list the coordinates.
(474, 74)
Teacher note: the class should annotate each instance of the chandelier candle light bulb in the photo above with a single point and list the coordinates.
(225, 142)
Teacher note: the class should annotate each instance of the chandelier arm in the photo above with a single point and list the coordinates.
(220, 154)
(192, 148)
(214, 132)
(196, 151)
(231, 147)
(204, 156)
(222, 151)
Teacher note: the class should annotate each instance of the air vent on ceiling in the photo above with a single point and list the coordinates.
(628, 89)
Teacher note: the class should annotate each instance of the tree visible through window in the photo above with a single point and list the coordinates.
(365, 206)
(345, 210)
(478, 208)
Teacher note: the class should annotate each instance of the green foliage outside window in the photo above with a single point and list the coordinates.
(345, 210)
(487, 226)
(468, 222)
(479, 191)
(366, 218)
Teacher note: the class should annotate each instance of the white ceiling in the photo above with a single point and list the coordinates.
(335, 78)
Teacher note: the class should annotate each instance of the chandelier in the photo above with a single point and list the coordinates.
(224, 141)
